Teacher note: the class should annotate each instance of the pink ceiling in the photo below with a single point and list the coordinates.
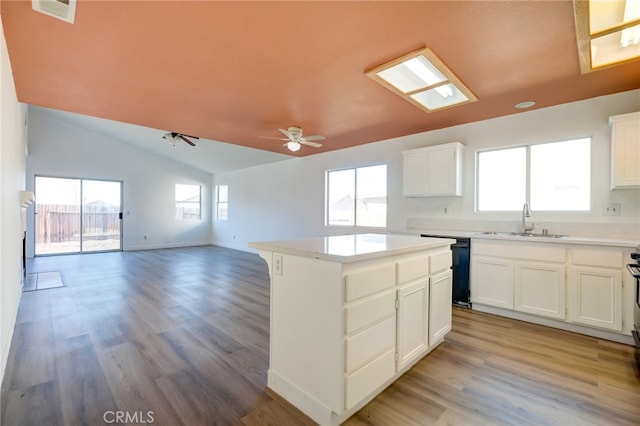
(235, 71)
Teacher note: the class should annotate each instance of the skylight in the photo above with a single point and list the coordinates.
(423, 79)
(608, 32)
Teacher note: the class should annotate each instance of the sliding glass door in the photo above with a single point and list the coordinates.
(77, 215)
(101, 215)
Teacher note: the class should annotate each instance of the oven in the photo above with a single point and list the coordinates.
(634, 270)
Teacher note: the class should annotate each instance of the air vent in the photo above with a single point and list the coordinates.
(61, 9)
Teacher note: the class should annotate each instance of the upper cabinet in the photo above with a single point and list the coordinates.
(433, 170)
(625, 150)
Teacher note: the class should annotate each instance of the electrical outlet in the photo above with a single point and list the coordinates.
(446, 210)
(611, 209)
(277, 264)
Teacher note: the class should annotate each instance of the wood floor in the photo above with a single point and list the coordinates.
(180, 337)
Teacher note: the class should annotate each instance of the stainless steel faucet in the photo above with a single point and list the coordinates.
(526, 212)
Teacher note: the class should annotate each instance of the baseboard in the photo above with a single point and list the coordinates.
(6, 344)
(575, 328)
(166, 246)
(233, 246)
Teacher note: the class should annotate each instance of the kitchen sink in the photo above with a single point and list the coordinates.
(529, 234)
(524, 234)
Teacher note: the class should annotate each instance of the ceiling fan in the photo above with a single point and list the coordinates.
(294, 138)
(173, 138)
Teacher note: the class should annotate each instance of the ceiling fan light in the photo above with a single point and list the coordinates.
(293, 146)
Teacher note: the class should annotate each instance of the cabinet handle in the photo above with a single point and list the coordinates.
(634, 270)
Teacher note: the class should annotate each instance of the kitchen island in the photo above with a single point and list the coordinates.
(350, 314)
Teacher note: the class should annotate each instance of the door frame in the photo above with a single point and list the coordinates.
(80, 179)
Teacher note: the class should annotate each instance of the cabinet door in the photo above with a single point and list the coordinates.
(625, 151)
(441, 172)
(595, 297)
(492, 281)
(414, 173)
(440, 288)
(413, 320)
(435, 170)
(539, 288)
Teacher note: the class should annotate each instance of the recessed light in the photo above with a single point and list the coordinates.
(525, 104)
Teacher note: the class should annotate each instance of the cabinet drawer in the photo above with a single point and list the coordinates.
(597, 257)
(364, 381)
(413, 268)
(519, 250)
(440, 262)
(369, 311)
(370, 343)
(368, 281)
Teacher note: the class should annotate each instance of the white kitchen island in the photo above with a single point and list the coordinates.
(350, 314)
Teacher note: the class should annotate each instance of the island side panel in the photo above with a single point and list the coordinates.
(306, 329)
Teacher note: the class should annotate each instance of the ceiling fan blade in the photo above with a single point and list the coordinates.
(271, 137)
(286, 133)
(314, 138)
(187, 140)
(313, 144)
(189, 136)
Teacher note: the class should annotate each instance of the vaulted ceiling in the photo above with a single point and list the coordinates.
(233, 71)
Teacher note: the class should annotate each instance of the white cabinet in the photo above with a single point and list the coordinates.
(434, 170)
(342, 329)
(520, 276)
(625, 150)
(539, 288)
(424, 305)
(413, 317)
(370, 330)
(581, 286)
(492, 281)
(440, 287)
(596, 288)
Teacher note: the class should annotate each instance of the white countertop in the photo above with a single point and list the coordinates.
(594, 241)
(583, 240)
(351, 248)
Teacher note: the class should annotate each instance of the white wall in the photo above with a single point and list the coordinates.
(59, 149)
(286, 199)
(12, 174)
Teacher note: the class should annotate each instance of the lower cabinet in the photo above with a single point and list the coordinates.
(580, 284)
(539, 288)
(342, 330)
(440, 290)
(413, 318)
(492, 281)
(596, 297)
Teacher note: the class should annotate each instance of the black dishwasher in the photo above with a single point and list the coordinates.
(460, 265)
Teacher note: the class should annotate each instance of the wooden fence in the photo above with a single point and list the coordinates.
(60, 223)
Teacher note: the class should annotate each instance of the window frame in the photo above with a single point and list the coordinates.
(528, 175)
(177, 202)
(220, 203)
(355, 196)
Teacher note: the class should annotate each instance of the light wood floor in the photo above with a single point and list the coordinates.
(184, 333)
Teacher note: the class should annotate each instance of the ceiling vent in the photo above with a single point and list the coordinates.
(61, 9)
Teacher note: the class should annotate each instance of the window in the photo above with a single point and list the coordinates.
(551, 177)
(187, 201)
(222, 202)
(357, 197)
